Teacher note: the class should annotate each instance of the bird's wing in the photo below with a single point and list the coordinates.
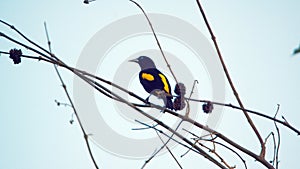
(152, 79)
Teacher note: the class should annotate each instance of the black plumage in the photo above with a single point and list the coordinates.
(153, 81)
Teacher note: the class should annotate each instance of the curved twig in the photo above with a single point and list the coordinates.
(156, 38)
(232, 150)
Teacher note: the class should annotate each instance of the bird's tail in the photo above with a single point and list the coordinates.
(169, 103)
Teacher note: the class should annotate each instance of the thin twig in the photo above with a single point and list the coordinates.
(187, 100)
(188, 109)
(215, 142)
(239, 147)
(173, 156)
(71, 102)
(278, 143)
(192, 91)
(284, 122)
(156, 38)
(241, 158)
(31, 57)
(212, 150)
(29, 40)
(162, 147)
(161, 132)
(63, 104)
(275, 148)
(274, 144)
(218, 155)
(263, 148)
(196, 141)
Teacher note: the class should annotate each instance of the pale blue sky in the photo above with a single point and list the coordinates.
(255, 37)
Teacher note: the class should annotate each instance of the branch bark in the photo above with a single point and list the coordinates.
(263, 148)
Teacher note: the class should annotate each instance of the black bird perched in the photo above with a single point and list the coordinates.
(153, 80)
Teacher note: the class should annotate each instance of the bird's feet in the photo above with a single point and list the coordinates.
(163, 110)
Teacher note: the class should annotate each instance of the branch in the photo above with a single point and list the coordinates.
(26, 38)
(70, 100)
(283, 122)
(108, 93)
(161, 132)
(92, 83)
(187, 100)
(276, 162)
(274, 144)
(263, 148)
(179, 165)
(244, 162)
(162, 147)
(158, 134)
(160, 48)
(215, 142)
(221, 136)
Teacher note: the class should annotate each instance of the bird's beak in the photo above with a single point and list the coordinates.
(134, 60)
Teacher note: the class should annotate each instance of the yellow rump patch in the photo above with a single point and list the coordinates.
(164, 80)
(147, 76)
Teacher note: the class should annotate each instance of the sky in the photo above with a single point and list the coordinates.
(256, 38)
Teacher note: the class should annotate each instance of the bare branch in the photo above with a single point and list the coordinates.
(198, 138)
(244, 162)
(156, 38)
(71, 102)
(263, 148)
(285, 123)
(26, 38)
(163, 146)
(179, 165)
(276, 162)
(161, 132)
(187, 100)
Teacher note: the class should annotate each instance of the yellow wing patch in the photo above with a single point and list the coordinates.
(164, 80)
(147, 76)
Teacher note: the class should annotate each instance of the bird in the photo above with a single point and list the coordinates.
(296, 51)
(154, 81)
